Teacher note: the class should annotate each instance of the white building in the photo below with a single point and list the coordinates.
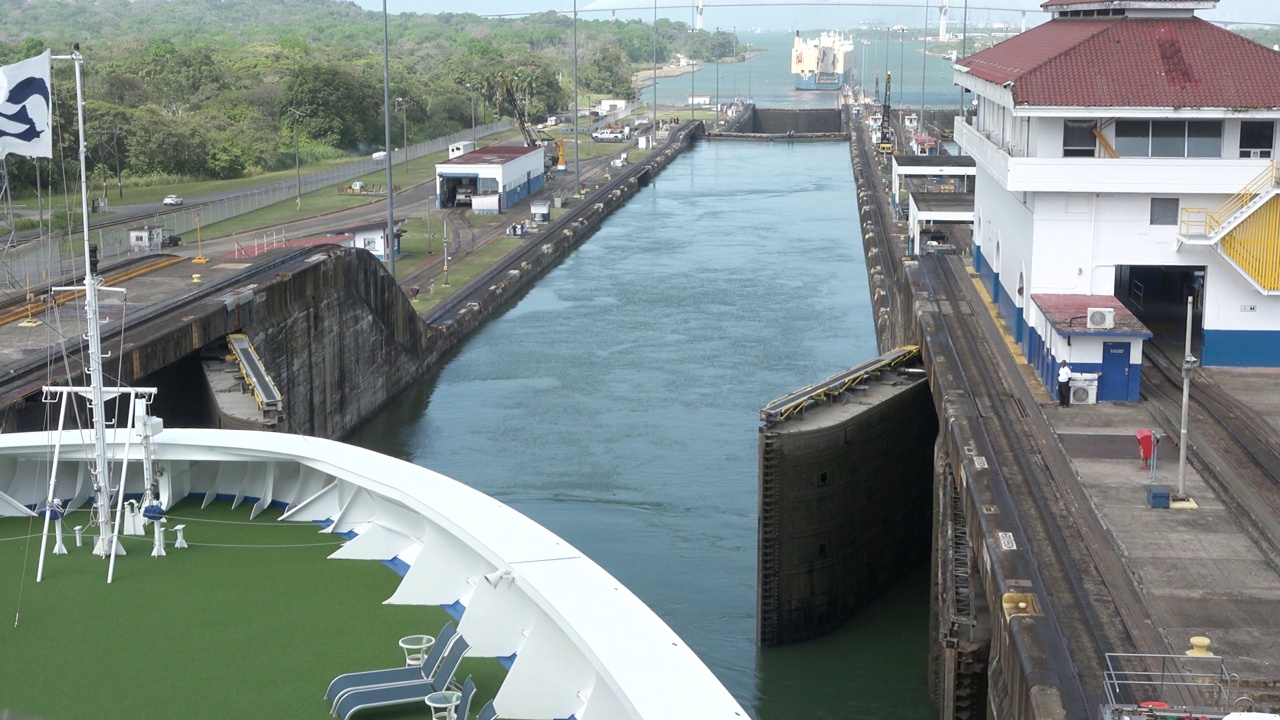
(1124, 150)
(370, 236)
(490, 179)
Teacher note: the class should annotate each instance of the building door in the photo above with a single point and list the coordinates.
(1113, 386)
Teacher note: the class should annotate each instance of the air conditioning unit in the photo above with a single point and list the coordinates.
(1100, 318)
(1084, 393)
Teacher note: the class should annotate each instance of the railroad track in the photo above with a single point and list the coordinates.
(1233, 446)
(1106, 599)
(17, 308)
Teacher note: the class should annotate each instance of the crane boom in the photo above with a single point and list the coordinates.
(886, 129)
(521, 120)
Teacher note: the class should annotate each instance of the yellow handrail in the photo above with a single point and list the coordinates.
(1210, 221)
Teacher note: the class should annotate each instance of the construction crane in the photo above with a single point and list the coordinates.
(885, 146)
(542, 140)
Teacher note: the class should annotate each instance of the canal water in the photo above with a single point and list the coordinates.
(617, 404)
(767, 76)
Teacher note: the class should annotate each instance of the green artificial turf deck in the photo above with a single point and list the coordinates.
(206, 632)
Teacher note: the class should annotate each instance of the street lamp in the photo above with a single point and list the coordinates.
(389, 239)
(577, 169)
(402, 104)
(655, 62)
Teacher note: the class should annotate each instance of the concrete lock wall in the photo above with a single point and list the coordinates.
(844, 514)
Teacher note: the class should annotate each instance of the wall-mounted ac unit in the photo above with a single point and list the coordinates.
(1100, 318)
(1084, 393)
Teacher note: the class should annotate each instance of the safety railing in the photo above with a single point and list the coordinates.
(1205, 222)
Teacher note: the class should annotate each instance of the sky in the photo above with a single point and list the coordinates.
(797, 18)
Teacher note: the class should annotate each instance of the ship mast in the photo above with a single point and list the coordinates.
(107, 543)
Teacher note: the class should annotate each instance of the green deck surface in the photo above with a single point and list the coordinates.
(244, 627)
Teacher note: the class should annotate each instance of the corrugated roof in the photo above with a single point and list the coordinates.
(1132, 62)
(1067, 314)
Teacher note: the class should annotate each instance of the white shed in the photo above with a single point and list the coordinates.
(146, 238)
(370, 236)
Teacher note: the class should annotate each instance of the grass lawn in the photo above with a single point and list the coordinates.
(462, 271)
(324, 200)
(234, 631)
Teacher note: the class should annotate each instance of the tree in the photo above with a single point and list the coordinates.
(337, 108)
(608, 71)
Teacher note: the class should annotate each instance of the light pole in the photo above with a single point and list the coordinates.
(1189, 364)
(735, 62)
(717, 54)
(577, 169)
(297, 166)
(402, 104)
(655, 63)
(390, 237)
(750, 64)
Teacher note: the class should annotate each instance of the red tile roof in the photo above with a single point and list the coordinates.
(492, 155)
(1067, 314)
(1065, 3)
(1132, 62)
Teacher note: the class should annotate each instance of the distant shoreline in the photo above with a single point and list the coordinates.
(642, 79)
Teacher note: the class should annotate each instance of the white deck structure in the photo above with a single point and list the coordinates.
(585, 646)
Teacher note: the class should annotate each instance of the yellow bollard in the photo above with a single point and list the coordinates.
(1199, 647)
(195, 278)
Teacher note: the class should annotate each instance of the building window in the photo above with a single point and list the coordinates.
(1164, 211)
(1257, 138)
(1078, 139)
(1133, 138)
(1169, 138)
(1204, 139)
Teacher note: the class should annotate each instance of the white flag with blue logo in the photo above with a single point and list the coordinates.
(25, 110)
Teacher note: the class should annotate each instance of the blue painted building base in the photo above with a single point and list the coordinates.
(1241, 348)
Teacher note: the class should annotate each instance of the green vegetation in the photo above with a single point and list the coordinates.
(229, 89)
(463, 270)
(256, 626)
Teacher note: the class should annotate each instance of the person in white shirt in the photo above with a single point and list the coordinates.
(1064, 384)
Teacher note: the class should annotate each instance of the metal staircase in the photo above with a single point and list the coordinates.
(1245, 230)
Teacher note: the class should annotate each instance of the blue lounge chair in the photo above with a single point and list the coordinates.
(487, 712)
(464, 705)
(391, 676)
(382, 695)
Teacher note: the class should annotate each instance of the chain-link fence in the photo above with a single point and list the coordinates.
(57, 255)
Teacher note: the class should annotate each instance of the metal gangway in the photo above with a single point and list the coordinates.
(264, 389)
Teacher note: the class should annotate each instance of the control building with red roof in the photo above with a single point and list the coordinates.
(1125, 150)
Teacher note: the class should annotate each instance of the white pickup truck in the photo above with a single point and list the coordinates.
(611, 135)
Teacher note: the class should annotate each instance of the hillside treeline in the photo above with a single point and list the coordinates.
(224, 88)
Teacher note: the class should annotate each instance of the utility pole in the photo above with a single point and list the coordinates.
(402, 104)
(297, 165)
(471, 91)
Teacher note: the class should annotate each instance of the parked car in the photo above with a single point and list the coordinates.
(172, 200)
